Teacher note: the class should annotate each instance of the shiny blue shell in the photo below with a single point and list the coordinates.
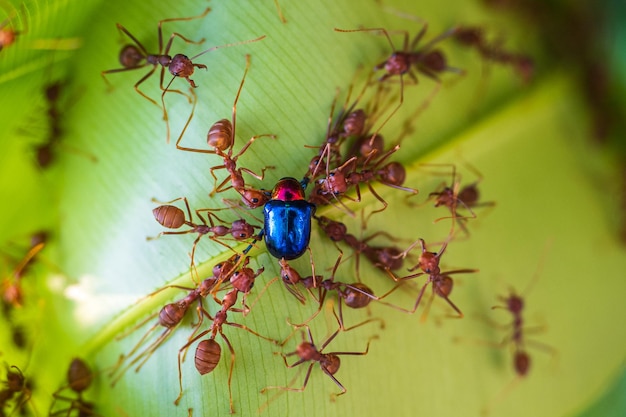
(288, 227)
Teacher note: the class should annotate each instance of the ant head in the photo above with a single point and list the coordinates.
(12, 294)
(181, 66)
(38, 237)
(242, 230)
(398, 63)
(243, 280)
(15, 380)
(429, 262)
(223, 268)
(7, 37)
(53, 91)
(254, 198)
(335, 182)
(288, 274)
(315, 161)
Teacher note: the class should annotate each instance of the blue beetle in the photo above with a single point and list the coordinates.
(287, 225)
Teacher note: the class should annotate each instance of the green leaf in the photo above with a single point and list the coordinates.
(530, 144)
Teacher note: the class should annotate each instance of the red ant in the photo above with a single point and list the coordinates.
(425, 60)
(367, 145)
(136, 56)
(221, 137)
(329, 362)
(173, 313)
(473, 36)
(11, 287)
(410, 58)
(453, 197)
(79, 378)
(173, 217)
(350, 122)
(441, 281)
(15, 384)
(353, 295)
(514, 304)
(8, 35)
(208, 351)
(45, 152)
(338, 180)
(388, 258)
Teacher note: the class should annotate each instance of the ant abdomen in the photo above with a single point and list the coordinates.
(79, 375)
(444, 286)
(521, 361)
(172, 314)
(220, 135)
(131, 56)
(207, 356)
(357, 298)
(393, 173)
(169, 216)
(354, 123)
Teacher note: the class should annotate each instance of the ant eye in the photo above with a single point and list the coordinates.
(255, 200)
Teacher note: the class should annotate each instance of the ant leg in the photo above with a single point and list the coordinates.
(252, 139)
(178, 19)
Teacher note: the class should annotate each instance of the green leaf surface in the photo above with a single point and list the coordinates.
(553, 217)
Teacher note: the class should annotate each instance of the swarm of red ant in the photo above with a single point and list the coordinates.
(352, 158)
(351, 163)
